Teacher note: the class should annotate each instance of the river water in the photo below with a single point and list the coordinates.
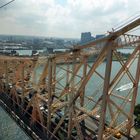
(10, 131)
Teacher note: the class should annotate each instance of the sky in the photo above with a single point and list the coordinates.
(64, 18)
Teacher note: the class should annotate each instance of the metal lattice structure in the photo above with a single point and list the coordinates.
(70, 94)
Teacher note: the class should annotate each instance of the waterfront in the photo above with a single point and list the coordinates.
(29, 52)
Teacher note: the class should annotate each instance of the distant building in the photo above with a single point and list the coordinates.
(60, 50)
(48, 51)
(10, 39)
(100, 36)
(86, 37)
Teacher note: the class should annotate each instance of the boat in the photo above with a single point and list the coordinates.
(126, 87)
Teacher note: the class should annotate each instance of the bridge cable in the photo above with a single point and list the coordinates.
(134, 30)
(7, 3)
(121, 22)
(128, 20)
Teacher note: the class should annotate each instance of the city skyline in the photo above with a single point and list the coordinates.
(64, 18)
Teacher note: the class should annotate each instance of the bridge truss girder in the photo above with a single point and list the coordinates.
(61, 83)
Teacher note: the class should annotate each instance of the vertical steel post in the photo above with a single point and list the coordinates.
(67, 83)
(134, 96)
(53, 77)
(49, 94)
(84, 74)
(6, 75)
(71, 107)
(105, 94)
(22, 73)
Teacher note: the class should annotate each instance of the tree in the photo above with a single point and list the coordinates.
(137, 114)
(137, 110)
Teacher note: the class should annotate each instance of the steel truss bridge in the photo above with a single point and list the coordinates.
(64, 96)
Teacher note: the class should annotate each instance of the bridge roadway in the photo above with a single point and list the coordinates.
(35, 131)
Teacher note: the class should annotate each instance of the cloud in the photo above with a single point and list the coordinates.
(64, 18)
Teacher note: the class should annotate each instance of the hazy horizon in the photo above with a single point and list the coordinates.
(38, 36)
(64, 18)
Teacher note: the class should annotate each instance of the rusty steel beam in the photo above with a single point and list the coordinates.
(105, 94)
(66, 88)
(134, 95)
